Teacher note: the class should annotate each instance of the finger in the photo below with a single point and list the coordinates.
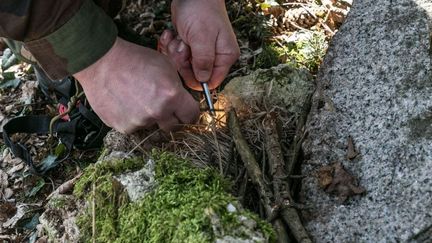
(227, 53)
(182, 56)
(166, 37)
(169, 124)
(179, 53)
(203, 46)
(222, 66)
(188, 109)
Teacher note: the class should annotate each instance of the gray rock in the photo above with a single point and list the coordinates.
(246, 231)
(376, 86)
(140, 182)
(59, 219)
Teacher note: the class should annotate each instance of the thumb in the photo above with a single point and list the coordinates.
(203, 49)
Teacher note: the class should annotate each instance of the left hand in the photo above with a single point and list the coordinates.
(206, 46)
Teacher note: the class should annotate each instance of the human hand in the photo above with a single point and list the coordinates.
(206, 46)
(133, 87)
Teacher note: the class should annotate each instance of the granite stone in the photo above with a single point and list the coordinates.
(375, 85)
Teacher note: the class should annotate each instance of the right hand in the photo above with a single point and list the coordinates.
(206, 46)
(132, 87)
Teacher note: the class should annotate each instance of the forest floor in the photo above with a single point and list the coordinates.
(295, 32)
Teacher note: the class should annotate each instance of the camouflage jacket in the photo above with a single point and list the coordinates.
(63, 36)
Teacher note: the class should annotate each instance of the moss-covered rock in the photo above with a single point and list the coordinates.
(283, 85)
(181, 208)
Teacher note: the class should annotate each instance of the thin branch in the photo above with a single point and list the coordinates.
(255, 174)
(249, 161)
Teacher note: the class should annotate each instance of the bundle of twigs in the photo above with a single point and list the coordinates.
(277, 201)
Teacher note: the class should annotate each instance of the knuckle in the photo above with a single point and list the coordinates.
(157, 114)
(169, 98)
(204, 61)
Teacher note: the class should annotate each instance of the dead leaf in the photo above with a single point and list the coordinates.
(16, 168)
(28, 91)
(7, 193)
(10, 160)
(7, 210)
(325, 176)
(19, 214)
(23, 211)
(3, 180)
(342, 183)
(352, 151)
(43, 239)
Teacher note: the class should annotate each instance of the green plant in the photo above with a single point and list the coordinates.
(178, 210)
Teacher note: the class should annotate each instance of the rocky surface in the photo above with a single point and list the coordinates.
(375, 85)
(282, 85)
(139, 183)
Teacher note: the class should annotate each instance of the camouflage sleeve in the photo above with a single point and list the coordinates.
(63, 36)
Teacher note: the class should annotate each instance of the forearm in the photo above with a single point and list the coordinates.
(63, 36)
(26, 20)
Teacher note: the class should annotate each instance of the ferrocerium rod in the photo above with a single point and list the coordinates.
(208, 98)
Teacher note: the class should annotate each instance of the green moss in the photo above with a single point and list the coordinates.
(98, 186)
(306, 52)
(58, 202)
(176, 211)
(268, 58)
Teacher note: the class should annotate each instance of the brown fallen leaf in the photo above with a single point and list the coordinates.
(7, 210)
(43, 239)
(352, 151)
(334, 179)
(3, 180)
(325, 176)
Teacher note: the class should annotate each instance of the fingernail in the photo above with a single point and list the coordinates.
(203, 75)
(181, 47)
(164, 36)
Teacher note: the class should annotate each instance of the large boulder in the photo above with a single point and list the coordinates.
(375, 85)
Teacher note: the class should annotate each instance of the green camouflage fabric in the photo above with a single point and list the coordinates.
(62, 37)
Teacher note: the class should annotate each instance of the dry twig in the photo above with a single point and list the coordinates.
(255, 173)
(142, 141)
(289, 214)
(280, 183)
